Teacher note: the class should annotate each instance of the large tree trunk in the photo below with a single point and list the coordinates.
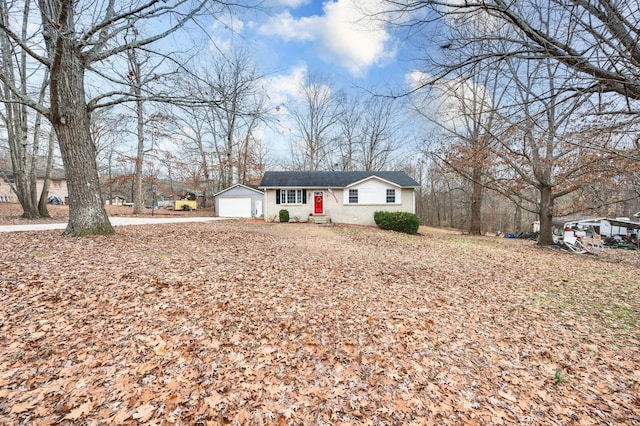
(23, 188)
(87, 214)
(22, 167)
(44, 195)
(475, 227)
(517, 219)
(136, 85)
(137, 177)
(204, 165)
(546, 216)
(70, 118)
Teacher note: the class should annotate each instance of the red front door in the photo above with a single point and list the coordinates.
(318, 203)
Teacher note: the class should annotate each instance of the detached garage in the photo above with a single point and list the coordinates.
(239, 201)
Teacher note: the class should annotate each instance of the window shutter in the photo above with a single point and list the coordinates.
(304, 196)
(277, 196)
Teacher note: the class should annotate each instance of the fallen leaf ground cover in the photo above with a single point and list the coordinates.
(296, 324)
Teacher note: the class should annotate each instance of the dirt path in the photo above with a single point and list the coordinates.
(10, 213)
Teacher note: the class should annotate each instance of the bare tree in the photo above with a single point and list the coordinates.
(48, 169)
(379, 134)
(538, 145)
(543, 51)
(367, 135)
(22, 122)
(222, 134)
(601, 45)
(596, 39)
(349, 119)
(76, 39)
(315, 116)
(464, 113)
(107, 131)
(462, 109)
(241, 109)
(142, 73)
(192, 127)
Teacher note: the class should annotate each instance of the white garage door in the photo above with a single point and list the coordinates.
(234, 207)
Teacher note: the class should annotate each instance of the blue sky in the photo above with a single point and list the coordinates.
(332, 38)
(335, 35)
(335, 39)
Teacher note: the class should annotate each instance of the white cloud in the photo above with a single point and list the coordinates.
(449, 102)
(356, 39)
(344, 33)
(416, 79)
(283, 88)
(289, 28)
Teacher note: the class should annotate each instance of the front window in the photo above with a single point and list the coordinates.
(353, 196)
(391, 195)
(291, 196)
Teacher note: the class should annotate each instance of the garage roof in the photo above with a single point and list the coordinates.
(238, 185)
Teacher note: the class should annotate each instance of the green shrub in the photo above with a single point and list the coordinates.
(283, 215)
(397, 221)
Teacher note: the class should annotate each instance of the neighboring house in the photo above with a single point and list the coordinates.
(57, 187)
(116, 200)
(239, 201)
(341, 197)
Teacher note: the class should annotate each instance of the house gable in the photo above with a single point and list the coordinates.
(373, 191)
(374, 177)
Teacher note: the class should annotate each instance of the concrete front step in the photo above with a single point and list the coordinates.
(319, 219)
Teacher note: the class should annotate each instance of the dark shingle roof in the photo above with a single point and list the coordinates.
(330, 179)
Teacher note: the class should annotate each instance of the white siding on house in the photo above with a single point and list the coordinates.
(357, 214)
(297, 212)
(362, 214)
(373, 191)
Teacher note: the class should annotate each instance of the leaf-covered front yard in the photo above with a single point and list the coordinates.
(244, 323)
